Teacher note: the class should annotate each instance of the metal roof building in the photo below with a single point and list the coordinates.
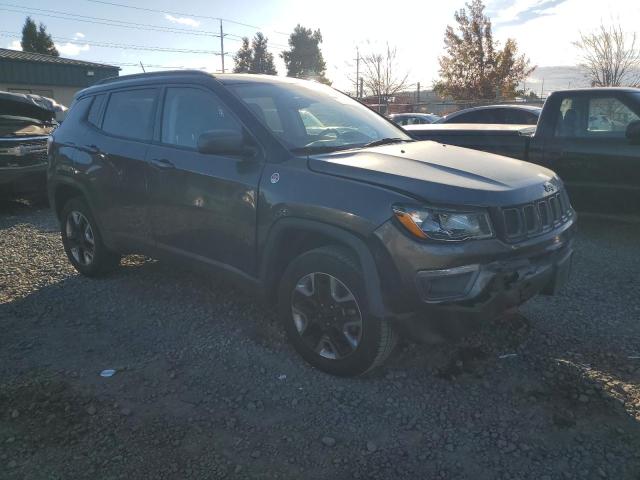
(54, 77)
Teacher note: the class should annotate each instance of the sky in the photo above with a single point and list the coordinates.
(83, 29)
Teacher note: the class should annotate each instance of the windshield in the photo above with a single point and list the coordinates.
(313, 117)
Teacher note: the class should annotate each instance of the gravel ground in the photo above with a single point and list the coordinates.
(206, 387)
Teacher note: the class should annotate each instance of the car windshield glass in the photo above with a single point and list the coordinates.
(308, 116)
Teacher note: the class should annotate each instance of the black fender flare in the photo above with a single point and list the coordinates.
(354, 242)
(57, 183)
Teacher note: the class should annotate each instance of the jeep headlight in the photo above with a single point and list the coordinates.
(443, 224)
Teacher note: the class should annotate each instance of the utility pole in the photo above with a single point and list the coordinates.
(361, 87)
(142, 66)
(542, 89)
(418, 97)
(222, 45)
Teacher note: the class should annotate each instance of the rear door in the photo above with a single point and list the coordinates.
(117, 144)
(589, 150)
(204, 206)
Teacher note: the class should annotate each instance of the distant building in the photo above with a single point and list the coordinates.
(54, 77)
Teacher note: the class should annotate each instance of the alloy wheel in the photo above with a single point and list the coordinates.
(326, 315)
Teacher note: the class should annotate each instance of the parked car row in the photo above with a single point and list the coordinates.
(352, 229)
(488, 114)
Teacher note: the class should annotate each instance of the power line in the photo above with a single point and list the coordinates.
(121, 45)
(104, 21)
(123, 24)
(181, 13)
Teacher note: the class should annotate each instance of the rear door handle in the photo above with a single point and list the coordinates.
(162, 163)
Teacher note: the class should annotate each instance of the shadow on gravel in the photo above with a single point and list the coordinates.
(13, 212)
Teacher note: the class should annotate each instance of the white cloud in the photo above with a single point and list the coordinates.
(78, 35)
(15, 45)
(71, 49)
(182, 20)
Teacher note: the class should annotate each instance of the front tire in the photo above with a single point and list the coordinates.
(82, 240)
(324, 304)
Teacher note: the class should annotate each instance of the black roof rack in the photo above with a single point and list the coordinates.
(150, 75)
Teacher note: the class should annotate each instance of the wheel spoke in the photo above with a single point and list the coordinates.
(340, 293)
(326, 348)
(322, 290)
(352, 331)
(88, 235)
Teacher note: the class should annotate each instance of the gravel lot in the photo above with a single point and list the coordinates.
(206, 386)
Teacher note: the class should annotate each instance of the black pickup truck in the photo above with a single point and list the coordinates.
(25, 124)
(590, 137)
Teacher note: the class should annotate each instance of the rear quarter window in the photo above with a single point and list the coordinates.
(130, 113)
(78, 110)
(96, 110)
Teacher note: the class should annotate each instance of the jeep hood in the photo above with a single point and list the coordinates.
(441, 174)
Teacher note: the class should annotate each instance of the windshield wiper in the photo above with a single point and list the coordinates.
(385, 141)
(322, 149)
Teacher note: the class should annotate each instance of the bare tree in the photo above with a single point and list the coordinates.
(611, 57)
(380, 74)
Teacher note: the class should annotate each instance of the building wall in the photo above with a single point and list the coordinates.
(41, 73)
(61, 94)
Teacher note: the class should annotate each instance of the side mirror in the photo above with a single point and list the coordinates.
(224, 142)
(633, 132)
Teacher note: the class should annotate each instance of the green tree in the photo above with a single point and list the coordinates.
(36, 39)
(304, 58)
(254, 57)
(243, 57)
(262, 61)
(475, 67)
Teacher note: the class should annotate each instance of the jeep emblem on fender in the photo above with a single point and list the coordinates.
(275, 178)
(549, 187)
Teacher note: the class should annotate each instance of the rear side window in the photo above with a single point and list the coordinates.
(130, 114)
(96, 109)
(78, 110)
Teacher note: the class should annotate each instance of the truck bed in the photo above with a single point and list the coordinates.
(509, 140)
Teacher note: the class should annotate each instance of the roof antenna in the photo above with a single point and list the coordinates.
(142, 66)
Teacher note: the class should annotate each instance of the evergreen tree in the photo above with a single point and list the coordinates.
(243, 57)
(304, 58)
(36, 39)
(474, 66)
(262, 61)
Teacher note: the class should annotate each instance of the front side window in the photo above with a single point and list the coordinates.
(190, 112)
(130, 114)
(312, 116)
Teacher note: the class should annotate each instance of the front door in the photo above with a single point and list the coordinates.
(204, 206)
(590, 152)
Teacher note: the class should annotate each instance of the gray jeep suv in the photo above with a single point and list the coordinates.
(355, 231)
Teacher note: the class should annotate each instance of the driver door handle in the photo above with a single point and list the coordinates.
(162, 163)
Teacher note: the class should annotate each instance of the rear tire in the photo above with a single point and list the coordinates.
(83, 242)
(324, 304)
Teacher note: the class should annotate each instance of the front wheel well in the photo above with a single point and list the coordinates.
(292, 243)
(62, 195)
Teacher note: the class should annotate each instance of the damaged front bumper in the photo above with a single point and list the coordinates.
(23, 164)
